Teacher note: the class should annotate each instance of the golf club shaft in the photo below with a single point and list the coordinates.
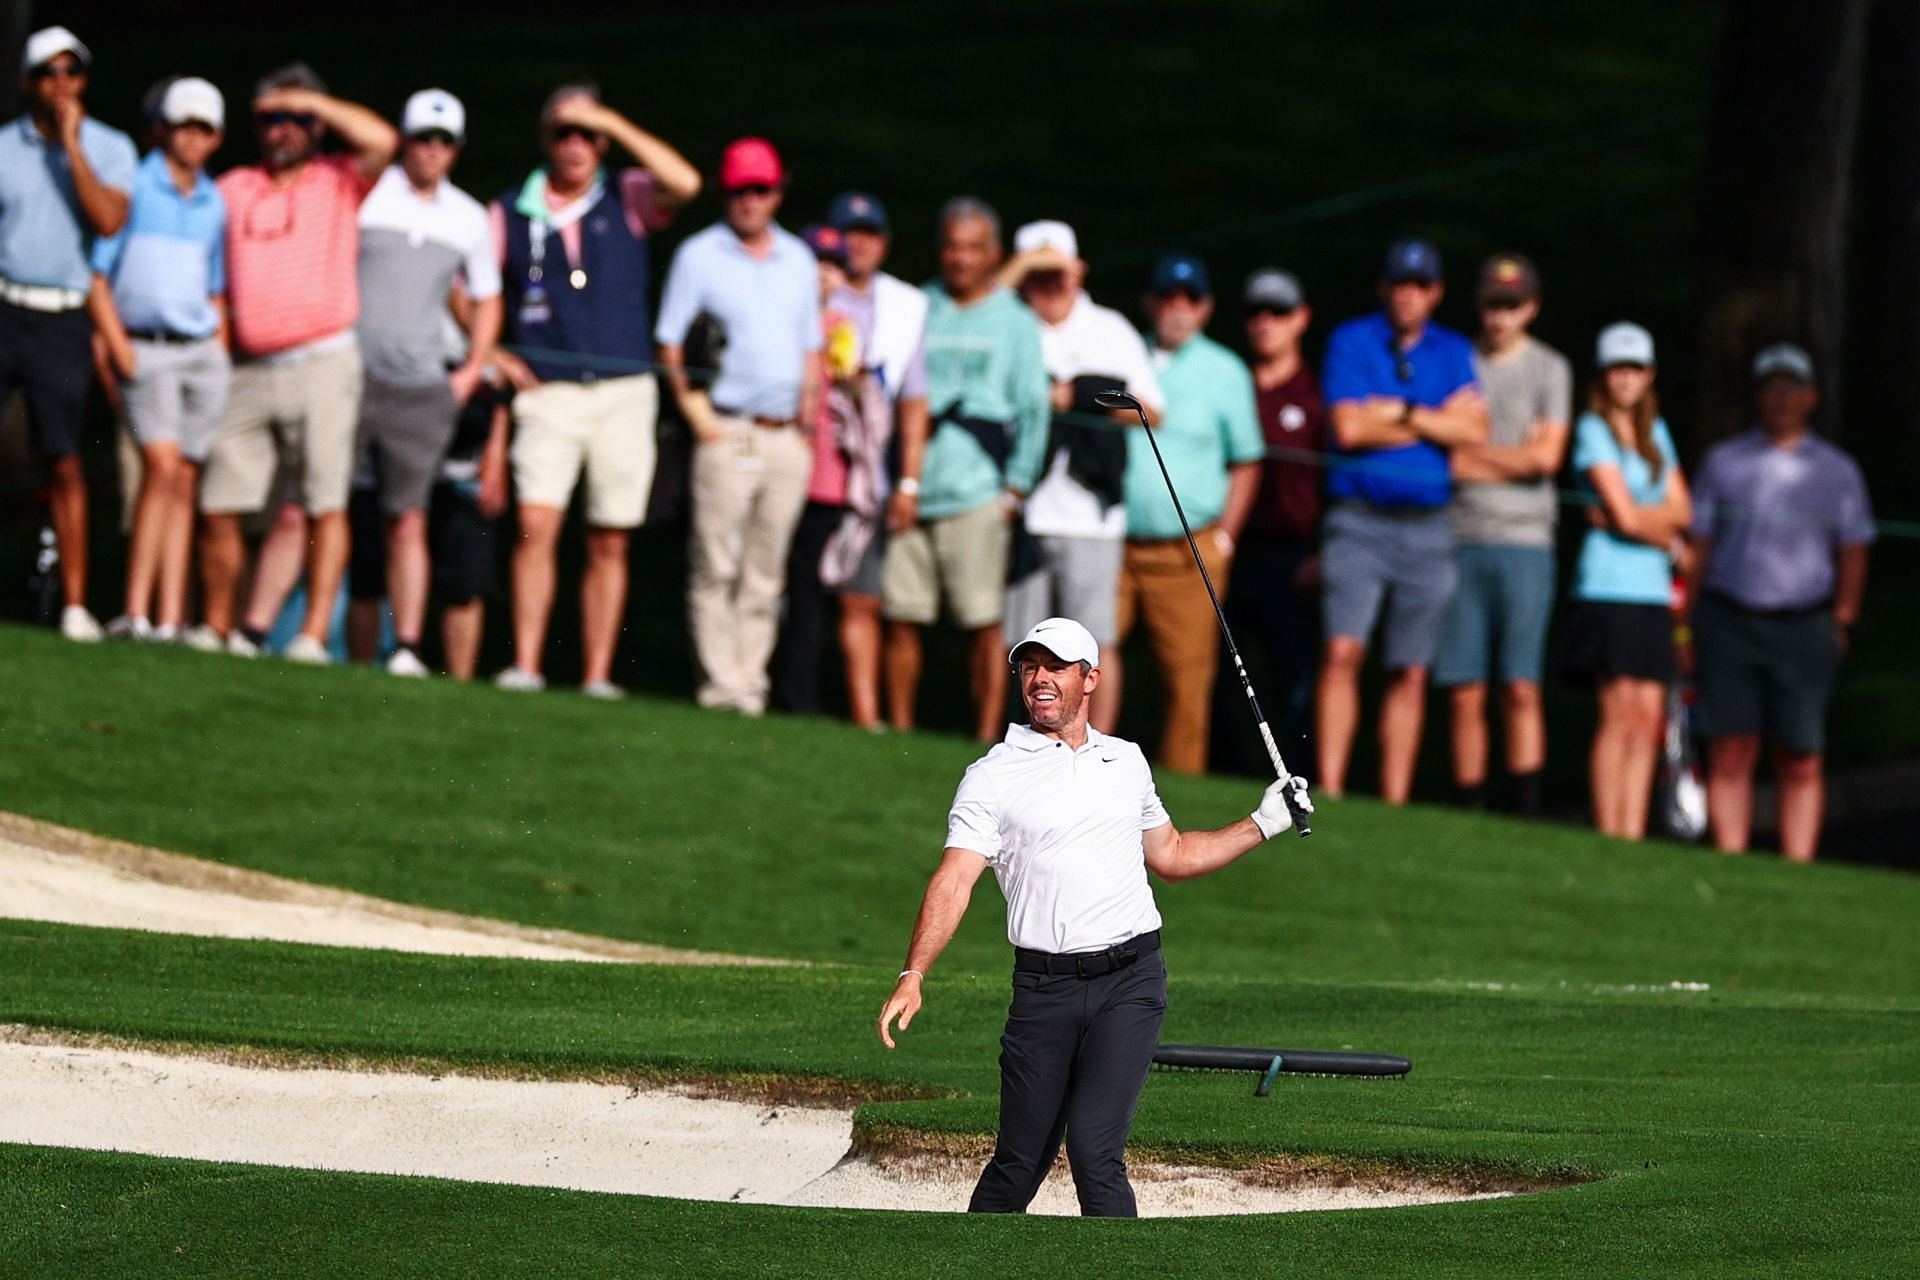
(1300, 825)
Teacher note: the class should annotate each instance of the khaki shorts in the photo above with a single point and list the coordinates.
(309, 406)
(606, 427)
(962, 557)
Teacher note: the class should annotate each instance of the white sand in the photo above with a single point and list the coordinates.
(580, 1136)
(69, 877)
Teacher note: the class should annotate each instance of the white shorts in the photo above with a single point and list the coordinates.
(605, 427)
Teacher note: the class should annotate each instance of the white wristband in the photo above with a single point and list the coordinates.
(911, 487)
(905, 972)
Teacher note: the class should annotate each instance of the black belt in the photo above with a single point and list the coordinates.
(1087, 964)
(167, 336)
(1788, 615)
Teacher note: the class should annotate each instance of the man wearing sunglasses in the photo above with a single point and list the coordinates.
(418, 234)
(64, 182)
(293, 243)
(1402, 393)
(574, 241)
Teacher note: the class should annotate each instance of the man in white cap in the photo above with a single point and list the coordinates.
(1077, 513)
(1070, 822)
(64, 179)
(418, 234)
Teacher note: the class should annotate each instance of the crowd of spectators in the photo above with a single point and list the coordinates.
(336, 364)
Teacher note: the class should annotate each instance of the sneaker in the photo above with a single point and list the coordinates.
(307, 651)
(164, 635)
(405, 662)
(129, 627)
(605, 690)
(239, 646)
(203, 639)
(519, 680)
(77, 624)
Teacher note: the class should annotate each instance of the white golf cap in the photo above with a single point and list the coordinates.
(1046, 233)
(1783, 357)
(1623, 343)
(191, 98)
(434, 109)
(1064, 638)
(48, 43)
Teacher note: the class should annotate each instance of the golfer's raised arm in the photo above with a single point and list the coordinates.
(941, 910)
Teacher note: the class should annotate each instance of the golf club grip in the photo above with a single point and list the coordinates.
(1300, 825)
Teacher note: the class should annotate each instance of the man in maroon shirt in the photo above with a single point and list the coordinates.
(1272, 603)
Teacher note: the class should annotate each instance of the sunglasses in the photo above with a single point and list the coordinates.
(752, 189)
(441, 136)
(59, 71)
(562, 132)
(1262, 310)
(268, 119)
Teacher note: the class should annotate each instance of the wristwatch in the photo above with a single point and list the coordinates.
(909, 485)
(1406, 412)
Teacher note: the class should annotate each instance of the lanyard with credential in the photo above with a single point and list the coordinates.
(534, 307)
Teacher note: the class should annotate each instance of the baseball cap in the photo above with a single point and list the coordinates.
(434, 109)
(750, 162)
(857, 211)
(1181, 271)
(1783, 357)
(191, 98)
(48, 43)
(1064, 638)
(1271, 287)
(1623, 343)
(1508, 278)
(1046, 233)
(1411, 260)
(827, 243)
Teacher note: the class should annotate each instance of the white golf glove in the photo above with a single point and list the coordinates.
(1272, 817)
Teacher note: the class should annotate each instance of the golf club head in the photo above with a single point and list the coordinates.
(1116, 400)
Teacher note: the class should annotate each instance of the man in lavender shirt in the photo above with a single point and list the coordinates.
(1781, 526)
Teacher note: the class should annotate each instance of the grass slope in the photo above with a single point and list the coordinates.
(1764, 1124)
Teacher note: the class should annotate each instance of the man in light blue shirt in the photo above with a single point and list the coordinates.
(64, 180)
(1211, 440)
(753, 442)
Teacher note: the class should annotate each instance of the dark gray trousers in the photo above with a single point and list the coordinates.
(1073, 1061)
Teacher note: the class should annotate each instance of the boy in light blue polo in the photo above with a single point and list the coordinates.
(161, 311)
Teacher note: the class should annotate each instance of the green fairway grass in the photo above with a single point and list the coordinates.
(1757, 1118)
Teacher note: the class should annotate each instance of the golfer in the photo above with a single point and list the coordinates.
(1069, 820)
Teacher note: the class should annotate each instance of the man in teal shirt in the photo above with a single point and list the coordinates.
(1211, 440)
(988, 391)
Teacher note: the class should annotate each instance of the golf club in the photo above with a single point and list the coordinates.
(1121, 400)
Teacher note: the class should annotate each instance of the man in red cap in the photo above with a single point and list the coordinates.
(751, 457)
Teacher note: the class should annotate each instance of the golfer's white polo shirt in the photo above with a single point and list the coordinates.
(1062, 831)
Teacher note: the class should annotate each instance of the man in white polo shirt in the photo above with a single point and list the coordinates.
(1070, 822)
(1077, 513)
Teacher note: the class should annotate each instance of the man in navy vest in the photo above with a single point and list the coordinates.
(574, 249)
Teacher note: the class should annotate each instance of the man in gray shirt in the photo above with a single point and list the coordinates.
(1503, 516)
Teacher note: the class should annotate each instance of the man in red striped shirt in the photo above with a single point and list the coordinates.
(292, 255)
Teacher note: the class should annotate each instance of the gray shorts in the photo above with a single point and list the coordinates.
(1765, 673)
(404, 433)
(1078, 578)
(177, 393)
(1402, 561)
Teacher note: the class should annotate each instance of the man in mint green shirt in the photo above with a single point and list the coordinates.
(1213, 447)
(988, 391)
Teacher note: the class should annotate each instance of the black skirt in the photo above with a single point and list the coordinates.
(1604, 638)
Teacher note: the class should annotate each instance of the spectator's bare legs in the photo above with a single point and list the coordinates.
(223, 558)
(1523, 717)
(988, 663)
(326, 565)
(67, 508)
(860, 643)
(1803, 801)
(1403, 710)
(407, 575)
(902, 660)
(363, 630)
(176, 545)
(1337, 711)
(283, 553)
(152, 514)
(1105, 712)
(603, 602)
(1467, 726)
(461, 628)
(533, 574)
(1625, 747)
(1730, 763)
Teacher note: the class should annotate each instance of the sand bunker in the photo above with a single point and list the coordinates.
(70, 877)
(569, 1134)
